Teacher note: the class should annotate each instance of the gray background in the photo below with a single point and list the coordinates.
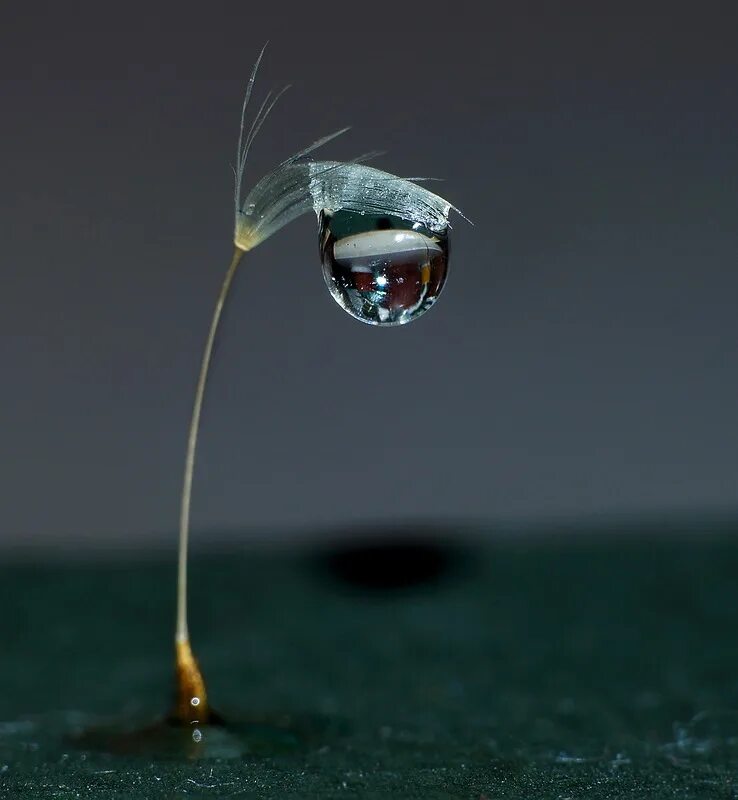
(580, 362)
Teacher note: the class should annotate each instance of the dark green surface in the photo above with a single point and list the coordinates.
(554, 669)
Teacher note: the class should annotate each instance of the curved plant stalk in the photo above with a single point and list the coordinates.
(191, 702)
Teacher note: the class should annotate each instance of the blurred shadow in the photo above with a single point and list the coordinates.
(387, 559)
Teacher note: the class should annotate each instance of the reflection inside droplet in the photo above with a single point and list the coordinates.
(381, 269)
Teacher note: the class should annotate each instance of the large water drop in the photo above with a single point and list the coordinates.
(381, 269)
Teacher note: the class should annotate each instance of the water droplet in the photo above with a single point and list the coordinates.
(381, 269)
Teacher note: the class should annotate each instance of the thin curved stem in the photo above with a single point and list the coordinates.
(191, 699)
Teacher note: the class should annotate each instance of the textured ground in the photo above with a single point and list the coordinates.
(537, 669)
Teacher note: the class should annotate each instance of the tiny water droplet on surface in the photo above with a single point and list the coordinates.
(381, 269)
